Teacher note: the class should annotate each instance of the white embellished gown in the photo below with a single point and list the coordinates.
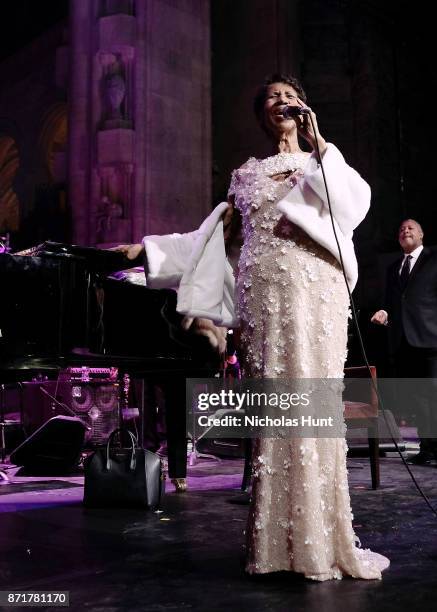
(293, 306)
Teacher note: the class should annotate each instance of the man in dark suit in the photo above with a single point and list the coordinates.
(410, 311)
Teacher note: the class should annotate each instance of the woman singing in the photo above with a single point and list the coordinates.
(293, 308)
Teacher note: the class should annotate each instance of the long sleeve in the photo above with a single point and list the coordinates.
(167, 257)
(306, 205)
(349, 193)
(196, 264)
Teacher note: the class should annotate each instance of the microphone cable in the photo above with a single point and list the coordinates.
(355, 320)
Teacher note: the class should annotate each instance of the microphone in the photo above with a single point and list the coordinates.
(289, 112)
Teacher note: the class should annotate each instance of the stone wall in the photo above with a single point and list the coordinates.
(139, 97)
(33, 129)
(178, 115)
(141, 113)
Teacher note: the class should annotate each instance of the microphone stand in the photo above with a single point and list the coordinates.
(4, 479)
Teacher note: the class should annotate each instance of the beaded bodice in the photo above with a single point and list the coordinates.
(256, 194)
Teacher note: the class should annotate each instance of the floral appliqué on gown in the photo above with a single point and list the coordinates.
(293, 306)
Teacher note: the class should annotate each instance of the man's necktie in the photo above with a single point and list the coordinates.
(405, 272)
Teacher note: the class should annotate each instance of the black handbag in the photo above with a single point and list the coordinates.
(123, 477)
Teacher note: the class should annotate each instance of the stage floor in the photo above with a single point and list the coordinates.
(190, 557)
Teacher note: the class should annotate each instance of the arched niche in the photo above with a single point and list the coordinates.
(53, 143)
(9, 204)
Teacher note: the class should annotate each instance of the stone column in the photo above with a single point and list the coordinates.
(173, 74)
(79, 150)
(140, 144)
(115, 161)
(140, 75)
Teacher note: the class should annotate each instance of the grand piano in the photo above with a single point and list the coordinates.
(63, 306)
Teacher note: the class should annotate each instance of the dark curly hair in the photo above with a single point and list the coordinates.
(261, 93)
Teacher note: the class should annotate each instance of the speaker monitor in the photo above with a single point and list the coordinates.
(96, 403)
(53, 449)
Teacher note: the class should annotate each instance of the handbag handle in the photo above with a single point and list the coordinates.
(133, 461)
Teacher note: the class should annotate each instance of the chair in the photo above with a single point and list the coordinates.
(357, 414)
(364, 414)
